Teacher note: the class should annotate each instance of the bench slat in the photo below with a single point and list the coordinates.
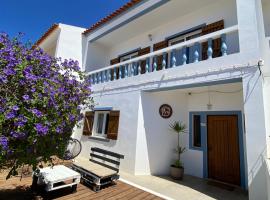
(105, 159)
(107, 152)
(104, 165)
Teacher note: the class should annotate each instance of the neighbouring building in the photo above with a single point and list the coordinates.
(208, 61)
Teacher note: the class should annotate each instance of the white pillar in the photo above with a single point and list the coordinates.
(255, 134)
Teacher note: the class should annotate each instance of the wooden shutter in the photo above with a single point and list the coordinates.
(112, 62)
(216, 43)
(142, 52)
(113, 124)
(88, 123)
(158, 46)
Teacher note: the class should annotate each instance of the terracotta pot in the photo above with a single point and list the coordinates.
(177, 173)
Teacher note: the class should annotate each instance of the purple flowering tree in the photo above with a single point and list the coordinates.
(41, 98)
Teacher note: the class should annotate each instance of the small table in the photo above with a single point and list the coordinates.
(56, 177)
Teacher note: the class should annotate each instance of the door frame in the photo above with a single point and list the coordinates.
(203, 147)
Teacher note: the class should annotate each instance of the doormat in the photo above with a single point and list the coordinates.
(221, 185)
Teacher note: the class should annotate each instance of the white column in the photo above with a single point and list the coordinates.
(247, 22)
(255, 134)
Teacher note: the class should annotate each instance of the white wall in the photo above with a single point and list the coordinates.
(211, 13)
(97, 56)
(69, 44)
(156, 142)
(208, 14)
(127, 103)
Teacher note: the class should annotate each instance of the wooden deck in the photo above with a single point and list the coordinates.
(14, 189)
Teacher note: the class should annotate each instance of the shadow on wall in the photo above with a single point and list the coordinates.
(160, 140)
(259, 179)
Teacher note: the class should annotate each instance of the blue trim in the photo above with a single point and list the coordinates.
(186, 86)
(151, 8)
(203, 148)
(185, 31)
(102, 108)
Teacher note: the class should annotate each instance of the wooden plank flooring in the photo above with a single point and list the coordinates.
(14, 189)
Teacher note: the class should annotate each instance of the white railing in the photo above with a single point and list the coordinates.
(150, 62)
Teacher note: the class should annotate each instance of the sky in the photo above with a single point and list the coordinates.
(34, 17)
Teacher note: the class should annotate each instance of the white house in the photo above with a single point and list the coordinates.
(208, 61)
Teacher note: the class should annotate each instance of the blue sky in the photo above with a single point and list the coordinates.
(34, 17)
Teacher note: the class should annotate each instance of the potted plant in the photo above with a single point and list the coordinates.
(177, 168)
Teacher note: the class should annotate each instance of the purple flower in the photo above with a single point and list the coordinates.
(33, 89)
(4, 142)
(17, 135)
(25, 97)
(3, 79)
(10, 115)
(15, 108)
(41, 129)
(9, 71)
(37, 112)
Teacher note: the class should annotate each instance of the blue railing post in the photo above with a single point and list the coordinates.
(164, 60)
(224, 47)
(196, 53)
(184, 57)
(126, 70)
(120, 72)
(114, 73)
(174, 58)
(210, 49)
(155, 63)
(100, 77)
(139, 67)
(132, 69)
(109, 75)
(147, 66)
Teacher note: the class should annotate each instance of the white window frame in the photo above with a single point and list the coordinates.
(129, 56)
(103, 134)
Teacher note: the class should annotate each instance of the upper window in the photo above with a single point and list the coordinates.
(129, 56)
(185, 37)
(196, 131)
(100, 123)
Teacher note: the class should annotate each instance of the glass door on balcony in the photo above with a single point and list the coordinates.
(180, 52)
(125, 58)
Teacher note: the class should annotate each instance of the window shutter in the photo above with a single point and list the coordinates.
(216, 43)
(143, 62)
(158, 46)
(112, 62)
(113, 124)
(88, 123)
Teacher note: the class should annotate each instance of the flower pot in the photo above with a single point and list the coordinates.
(177, 173)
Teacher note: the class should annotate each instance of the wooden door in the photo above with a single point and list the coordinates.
(223, 149)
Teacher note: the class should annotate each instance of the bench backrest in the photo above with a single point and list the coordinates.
(106, 158)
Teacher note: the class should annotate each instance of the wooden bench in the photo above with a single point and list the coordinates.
(101, 169)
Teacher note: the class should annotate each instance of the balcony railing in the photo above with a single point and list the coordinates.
(158, 60)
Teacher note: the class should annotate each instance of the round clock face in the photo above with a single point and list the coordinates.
(165, 111)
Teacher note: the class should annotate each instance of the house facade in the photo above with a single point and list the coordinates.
(204, 63)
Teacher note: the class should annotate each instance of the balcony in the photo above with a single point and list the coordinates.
(178, 56)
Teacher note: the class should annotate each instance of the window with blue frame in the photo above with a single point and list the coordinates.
(196, 126)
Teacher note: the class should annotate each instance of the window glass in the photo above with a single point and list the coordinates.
(101, 123)
(100, 120)
(197, 130)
